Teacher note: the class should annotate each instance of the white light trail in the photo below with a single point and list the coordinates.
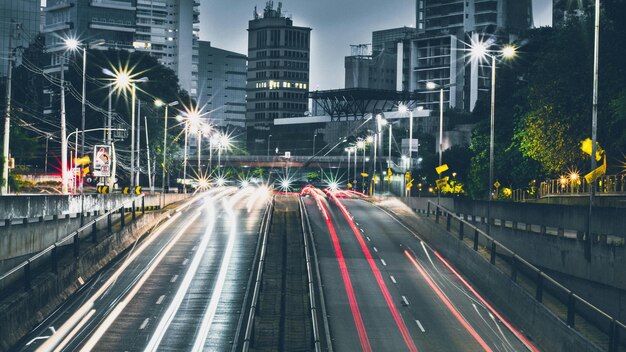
(209, 314)
(110, 319)
(167, 318)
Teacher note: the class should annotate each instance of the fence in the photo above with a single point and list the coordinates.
(591, 322)
(50, 256)
(572, 185)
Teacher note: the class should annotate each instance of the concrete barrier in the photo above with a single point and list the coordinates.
(546, 329)
(53, 217)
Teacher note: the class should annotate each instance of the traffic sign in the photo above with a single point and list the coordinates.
(102, 161)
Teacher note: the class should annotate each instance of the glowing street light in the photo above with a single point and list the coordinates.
(480, 51)
(123, 81)
(160, 103)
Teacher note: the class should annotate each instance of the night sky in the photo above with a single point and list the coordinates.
(336, 24)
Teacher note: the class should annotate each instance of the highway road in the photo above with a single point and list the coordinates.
(182, 288)
(386, 290)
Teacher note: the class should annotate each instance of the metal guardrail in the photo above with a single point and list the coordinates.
(51, 255)
(593, 323)
(247, 340)
(608, 184)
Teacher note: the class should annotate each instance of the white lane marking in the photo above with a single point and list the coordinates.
(194, 248)
(35, 339)
(428, 255)
(52, 329)
(375, 250)
(383, 261)
(368, 239)
(362, 231)
(160, 300)
(144, 324)
(174, 278)
(406, 302)
(420, 325)
(185, 261)
(357, 224)
(393, 279)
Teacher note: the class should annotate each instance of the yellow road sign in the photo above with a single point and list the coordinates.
(497, 184)
(593, 175)
(587, 145)
(441, 169)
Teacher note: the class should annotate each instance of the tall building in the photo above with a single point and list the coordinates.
(107, 20)
(378, 69)
(364, 70)
(278, 76)
(222, 85)
(168, 30)
(19, 19)
(436, 53)
(564, 10)
(110, 22)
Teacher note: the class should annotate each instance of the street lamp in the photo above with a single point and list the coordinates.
(314, 136)
(72, 44)
(480, 51)
(160, 103)
(380, 123)
(269, 138)
(433, 85)
(124, 80)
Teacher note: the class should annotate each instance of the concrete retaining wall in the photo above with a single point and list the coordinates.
(22, 312)
(29, 237)
(517, 305)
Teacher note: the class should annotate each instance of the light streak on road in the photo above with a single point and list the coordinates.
(167, 318)
(67, 327)
(345, 276)
(519, 335)
(447, 303)
(110, 319)
(209, 314)
(408, 340)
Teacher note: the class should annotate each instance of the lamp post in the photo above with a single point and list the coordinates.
(160, 103)
(314, 136)
(594, 125)
(349, 151)
(124, 80)
(354, 180)
(480, 51)
(269, 138)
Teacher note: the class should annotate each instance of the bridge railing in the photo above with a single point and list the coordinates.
(607, 184)
(49, 258)
(588, 320)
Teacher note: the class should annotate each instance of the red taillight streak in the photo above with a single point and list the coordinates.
(379, 279)
(447, 303)
(345, 276)
(491, 309)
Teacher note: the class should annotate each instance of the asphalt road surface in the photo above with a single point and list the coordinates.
(386, 290)
(182, 288)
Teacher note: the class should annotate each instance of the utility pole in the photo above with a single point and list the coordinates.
(594, 128)
(138, 166)
(63, 132)
(7, 120)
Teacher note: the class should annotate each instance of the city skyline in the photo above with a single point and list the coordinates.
(224, 25)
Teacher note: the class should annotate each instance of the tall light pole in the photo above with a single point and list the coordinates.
(269, 138)
(63, 132)
(314, 136)
(124, 80)
(160, 103)
(480, 51)
(404, 109)
(7, 119)
(349, 151)
(594, 125)
(354, 180)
